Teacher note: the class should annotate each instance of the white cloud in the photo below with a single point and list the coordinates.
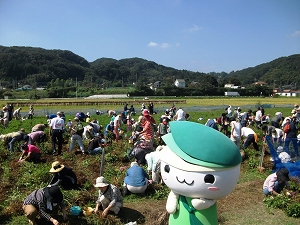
(194, 28)
(296, 33)
(165, 45)
(152, 44)
(162, 45)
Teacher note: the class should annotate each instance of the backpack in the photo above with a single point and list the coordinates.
(78, 129)
(286, 128)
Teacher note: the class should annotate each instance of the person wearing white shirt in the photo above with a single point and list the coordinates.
(258, 117)
(180, 115)
(117, 125)
(57, 125)
(251, 137)
(236, 132)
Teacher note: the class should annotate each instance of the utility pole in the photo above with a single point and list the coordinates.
(76, 87)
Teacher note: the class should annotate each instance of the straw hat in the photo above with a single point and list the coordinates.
(56, 167)
(101, 182)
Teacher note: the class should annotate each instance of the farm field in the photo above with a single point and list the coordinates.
(243, 206)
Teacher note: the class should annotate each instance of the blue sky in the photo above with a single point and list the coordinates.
(197, 35)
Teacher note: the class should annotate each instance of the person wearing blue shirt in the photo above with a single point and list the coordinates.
(136, 179)
(212, 123)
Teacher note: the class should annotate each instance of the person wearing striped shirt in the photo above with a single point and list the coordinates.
(41, 202)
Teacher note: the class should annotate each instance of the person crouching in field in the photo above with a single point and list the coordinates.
(30, 153)
(109, 198)
(63, 176)
(275, 182)
(136, 180)
(42, 201)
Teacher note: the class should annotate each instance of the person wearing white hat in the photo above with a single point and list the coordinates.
(110, 197)
(283, 156)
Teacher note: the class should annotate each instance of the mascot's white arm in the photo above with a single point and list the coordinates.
(172, 202)
(202, 203)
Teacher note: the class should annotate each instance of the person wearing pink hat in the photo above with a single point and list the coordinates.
(149, 117)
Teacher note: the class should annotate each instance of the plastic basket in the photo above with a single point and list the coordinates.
(75, 210)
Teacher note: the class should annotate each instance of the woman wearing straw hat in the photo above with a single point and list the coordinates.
(110, 197)
(63, 175)
(43, 200)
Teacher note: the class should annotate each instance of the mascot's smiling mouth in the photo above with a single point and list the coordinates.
(184, 181)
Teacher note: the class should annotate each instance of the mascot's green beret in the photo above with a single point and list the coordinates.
(202, 145)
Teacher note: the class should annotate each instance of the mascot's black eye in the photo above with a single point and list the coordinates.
(209, 179)
(167, 168)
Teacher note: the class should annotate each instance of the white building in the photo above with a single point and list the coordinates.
(179, 83)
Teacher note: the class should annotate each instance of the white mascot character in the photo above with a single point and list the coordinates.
(200, 165)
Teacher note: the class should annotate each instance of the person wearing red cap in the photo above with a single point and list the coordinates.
(149, 117)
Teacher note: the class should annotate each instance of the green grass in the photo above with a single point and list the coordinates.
(32, 176)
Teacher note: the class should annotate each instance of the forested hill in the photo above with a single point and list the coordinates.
(29, 65)
(281, 71)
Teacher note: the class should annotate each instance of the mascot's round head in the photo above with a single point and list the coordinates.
(199, 161)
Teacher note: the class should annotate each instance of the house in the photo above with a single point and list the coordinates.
(195, 83)
(228, 85)
(231, 86)
(260, 83)
(180, 83)
(288, 93)
(155, 85)
(24, 88)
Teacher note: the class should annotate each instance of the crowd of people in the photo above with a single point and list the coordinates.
(237, 125)
(282, 131)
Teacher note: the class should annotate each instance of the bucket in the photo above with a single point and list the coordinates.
(75, 210)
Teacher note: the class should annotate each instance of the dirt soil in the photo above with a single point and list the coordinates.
(246, 196)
